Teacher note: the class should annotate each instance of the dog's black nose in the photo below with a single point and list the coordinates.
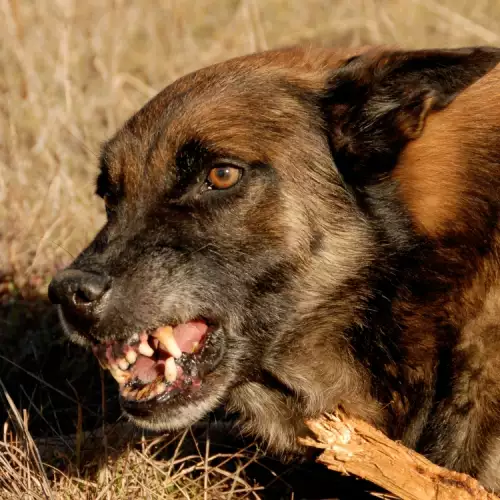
(81, 294)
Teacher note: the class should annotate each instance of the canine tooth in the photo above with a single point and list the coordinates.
(166, 336)
(145, 349)
(170, 370)
(195, 346)
(131, 356)
(123, 364)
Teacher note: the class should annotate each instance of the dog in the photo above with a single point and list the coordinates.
(300, 230)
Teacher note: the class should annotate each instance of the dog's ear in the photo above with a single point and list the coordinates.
(378, 101)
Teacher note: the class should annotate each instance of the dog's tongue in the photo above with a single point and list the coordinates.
(187, 336)
(146, 369)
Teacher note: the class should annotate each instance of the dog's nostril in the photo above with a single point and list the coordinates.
(80, 297)
(90, 291)
(76, 289)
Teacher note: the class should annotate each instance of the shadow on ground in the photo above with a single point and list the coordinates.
(71, 405)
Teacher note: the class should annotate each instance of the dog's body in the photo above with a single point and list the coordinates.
(354, 262)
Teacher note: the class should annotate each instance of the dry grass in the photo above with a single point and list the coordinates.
(126, 472)
(129, 472)
(70, 73)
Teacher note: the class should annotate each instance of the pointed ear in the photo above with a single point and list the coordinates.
(378, 101)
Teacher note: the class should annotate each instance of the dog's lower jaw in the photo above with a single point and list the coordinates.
(193, 407)
(185, 417)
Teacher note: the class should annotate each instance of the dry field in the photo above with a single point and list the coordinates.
(70, 73)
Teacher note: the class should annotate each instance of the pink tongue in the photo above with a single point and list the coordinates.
(188, 334)
(146, 369)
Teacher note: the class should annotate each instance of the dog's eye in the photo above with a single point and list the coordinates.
(224, 176)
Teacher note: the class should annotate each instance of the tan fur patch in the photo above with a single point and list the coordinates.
(433, 171)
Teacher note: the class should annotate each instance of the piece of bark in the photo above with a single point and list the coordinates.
(352, 446)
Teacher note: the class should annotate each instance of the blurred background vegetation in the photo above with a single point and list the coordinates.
(70, 73)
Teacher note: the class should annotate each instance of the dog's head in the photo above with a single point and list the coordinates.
(241, 222)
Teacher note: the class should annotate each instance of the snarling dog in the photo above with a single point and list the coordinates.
(305, 229)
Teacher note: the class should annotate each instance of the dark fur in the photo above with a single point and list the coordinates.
(357, 262)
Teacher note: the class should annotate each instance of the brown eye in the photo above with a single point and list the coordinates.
(224, 177)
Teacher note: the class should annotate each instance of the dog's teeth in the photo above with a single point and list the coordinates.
(165, 335)
(131, 356)
(123, 364)
(160, 388)
(145, 349)
(145, 391)
(120, 376)
(170, 370)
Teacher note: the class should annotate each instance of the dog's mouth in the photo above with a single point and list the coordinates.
(158, 365)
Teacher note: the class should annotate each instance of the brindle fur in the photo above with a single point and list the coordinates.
(357, 264)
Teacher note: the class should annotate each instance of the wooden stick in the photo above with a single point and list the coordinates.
(352, 446)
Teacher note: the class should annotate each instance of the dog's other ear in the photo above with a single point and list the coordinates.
(378, 101)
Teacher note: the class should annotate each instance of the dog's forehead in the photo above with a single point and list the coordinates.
(240, 81)
(245, 107)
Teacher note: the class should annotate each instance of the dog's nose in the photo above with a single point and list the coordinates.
(81, 294)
